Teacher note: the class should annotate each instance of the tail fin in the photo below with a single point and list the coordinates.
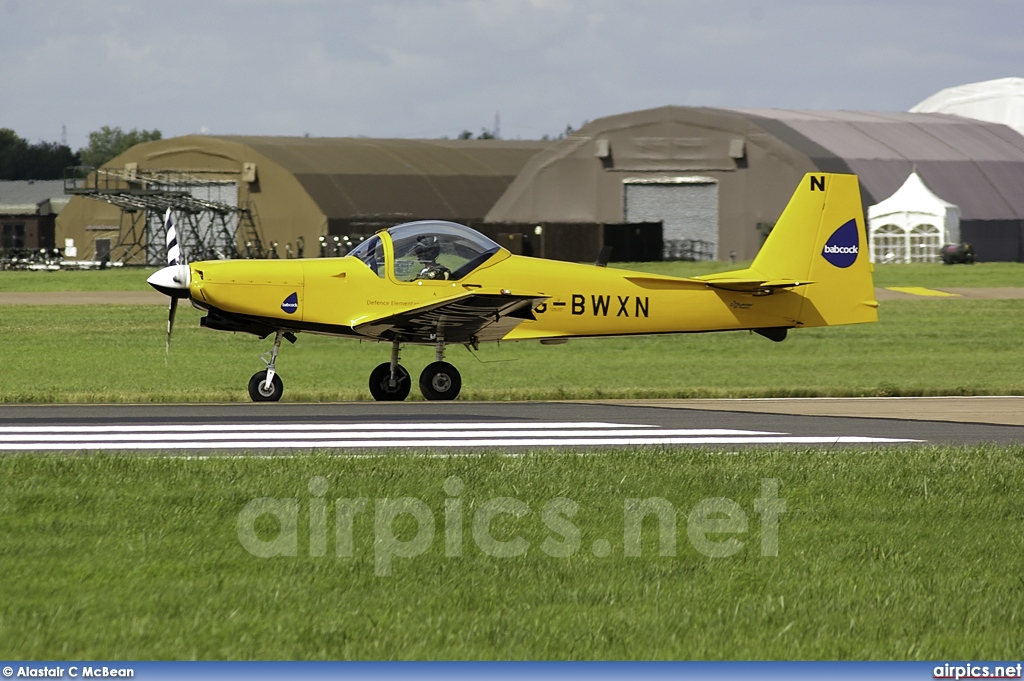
(820, 238)
(817, 250)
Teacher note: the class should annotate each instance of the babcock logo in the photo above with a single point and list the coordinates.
(291, 303)
(842, 247)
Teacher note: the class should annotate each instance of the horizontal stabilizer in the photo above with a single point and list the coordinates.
(740, 280)
(753, 285)
(677, 283)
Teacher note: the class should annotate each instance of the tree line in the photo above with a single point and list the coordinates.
(20, 160)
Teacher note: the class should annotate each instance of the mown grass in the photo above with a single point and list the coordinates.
(988, 274)
(894, 553)
(114, 279)
(888, 553)
(930, 275)
(116, 354)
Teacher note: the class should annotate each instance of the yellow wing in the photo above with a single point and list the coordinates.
(467, 318)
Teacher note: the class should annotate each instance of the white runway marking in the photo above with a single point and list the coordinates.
(158, 437)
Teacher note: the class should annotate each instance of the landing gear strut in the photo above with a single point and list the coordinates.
(389, 382)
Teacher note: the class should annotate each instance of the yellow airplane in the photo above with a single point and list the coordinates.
(436, 283)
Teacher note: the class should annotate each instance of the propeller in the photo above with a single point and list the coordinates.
(173, 280)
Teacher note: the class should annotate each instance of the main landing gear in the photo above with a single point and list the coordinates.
(440, 380)
(389, 382)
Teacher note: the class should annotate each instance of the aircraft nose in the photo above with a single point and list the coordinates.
(172, 281)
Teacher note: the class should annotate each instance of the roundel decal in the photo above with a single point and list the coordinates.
(842, 247)
(291, 303)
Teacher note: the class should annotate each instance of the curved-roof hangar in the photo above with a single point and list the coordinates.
(732, 170)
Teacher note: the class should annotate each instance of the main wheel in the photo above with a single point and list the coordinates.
(382, 388)
(258, 391)
(440, 381)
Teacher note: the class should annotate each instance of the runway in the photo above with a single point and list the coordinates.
(433, 427)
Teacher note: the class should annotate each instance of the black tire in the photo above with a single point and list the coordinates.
(257, 391)
(380, 383)
(440, 381)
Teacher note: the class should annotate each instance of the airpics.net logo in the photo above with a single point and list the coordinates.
(404, 528)
(843, 246)
(291, 303)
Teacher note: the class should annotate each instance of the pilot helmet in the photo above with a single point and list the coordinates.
(427, 247)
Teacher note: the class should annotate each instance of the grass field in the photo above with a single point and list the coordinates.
(116, 354)
(917, 274)
(882, 553)
(116, 279)
(895, 553)
(931, 275)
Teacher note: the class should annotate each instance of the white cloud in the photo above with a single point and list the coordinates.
(430, 68)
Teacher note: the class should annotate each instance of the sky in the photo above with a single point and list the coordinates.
(428, 69)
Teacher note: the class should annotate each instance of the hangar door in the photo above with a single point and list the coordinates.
(687, 207)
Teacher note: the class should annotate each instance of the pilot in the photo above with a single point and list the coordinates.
(427, 249)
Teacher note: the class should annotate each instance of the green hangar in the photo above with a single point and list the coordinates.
(288, 190)
(710, 181)
(721, 177)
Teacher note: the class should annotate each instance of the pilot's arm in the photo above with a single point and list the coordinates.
(434, 271)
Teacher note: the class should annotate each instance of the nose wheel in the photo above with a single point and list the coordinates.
(259, 391)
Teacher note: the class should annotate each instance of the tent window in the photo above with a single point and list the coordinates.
(925, 242)
(890, 244)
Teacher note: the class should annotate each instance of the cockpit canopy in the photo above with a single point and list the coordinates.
(420, 246)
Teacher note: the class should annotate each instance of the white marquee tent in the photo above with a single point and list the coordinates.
(912, 224)
(995, 101)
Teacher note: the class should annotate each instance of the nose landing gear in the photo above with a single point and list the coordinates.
(266, 386)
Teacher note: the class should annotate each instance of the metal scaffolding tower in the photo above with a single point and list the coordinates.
(210, 223)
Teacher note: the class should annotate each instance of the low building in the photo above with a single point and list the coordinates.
(28, 213)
